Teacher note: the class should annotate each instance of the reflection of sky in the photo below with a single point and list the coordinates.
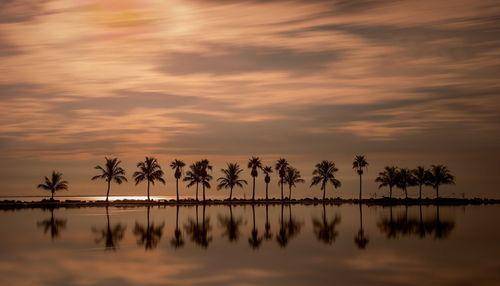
(407, 82)
(74, 258)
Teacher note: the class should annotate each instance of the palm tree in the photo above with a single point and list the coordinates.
(267, 179)
(177, 241)
(193, 177)
(387, 178)
(359, 164)
(324, 174)
(177, 166)
(292, 178)
(440, 175)
(54, 184)
(421, 176)
(405, 179)
(231, 178)
(110, 235)
(205, 177)
(255, 240)
(111, 172)
(280, 167)
(150, 235)
(149, 171)
(254, 163)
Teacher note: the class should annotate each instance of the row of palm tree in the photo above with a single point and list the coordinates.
(199, 173)
(404, 178)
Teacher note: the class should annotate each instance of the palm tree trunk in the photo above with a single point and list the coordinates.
(390, 192)
(107, 193)
(406, 193)
(203, 187)
(267, 188)
(52, 195)
(253, 189)
(148, 193)
(231, 194)
(324, 192)
(177, 188)
(437, 192)
(281, 183)
(360, 186)
(197, 191)
(290, 193)
(420, 192)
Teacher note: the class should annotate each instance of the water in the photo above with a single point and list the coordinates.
(297, 245)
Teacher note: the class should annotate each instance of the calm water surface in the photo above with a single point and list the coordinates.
(245, 245)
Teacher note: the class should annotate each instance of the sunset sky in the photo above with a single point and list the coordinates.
(404, 82)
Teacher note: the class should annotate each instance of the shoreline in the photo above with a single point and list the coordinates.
(43, 204)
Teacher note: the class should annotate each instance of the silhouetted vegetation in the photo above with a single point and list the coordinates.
(199, 233)
(404, 180)
(280, 167)
(54, 184)
(177, 166)
(359, 164)
(254, 164)
(422, 177)
(231, 226)
(292, 178)
(255, 240)
(111, 172)
(361, 240)
(388, 178)
(267, 179)
(53, 225)
(326, 230)
(149, 171)
(323, 174)
(177, 240)
(440, 175)
(231, 178)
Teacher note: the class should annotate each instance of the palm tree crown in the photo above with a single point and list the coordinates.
(54, 184)
(177, 166)
(267, 179)
(405, 179)
(205, 178)
(440, 175)
(387, 178)
(111, 172)
(231, 178)
(150, 171)
(323, 174)
(359, 164)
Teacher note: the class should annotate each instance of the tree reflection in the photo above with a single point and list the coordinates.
(403, 225)
(326, 230)
(288, 229)
(177, 241)
(150, 235)
(111, 235)
(199, 233)
(361, 240)
(52, 225)
(255, 240)
(267, 227)
(231, 226)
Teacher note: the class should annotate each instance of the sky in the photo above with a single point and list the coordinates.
(406, 83)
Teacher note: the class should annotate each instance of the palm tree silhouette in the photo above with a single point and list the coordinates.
(110, 172)
(54, 184)
(324, 173)
(231, 178)
(405, 180)
(282, 235)
(177, 166)
(254, 163)
(292, 177)
(324, 230)
(255, 240)
(193, 177)
(111, 235)
(231, 226)
(422, 178)
(293, 226)
(280, 167)
(177, 241)
(387, 178)
(440, 175)
(199, 234)
(149, 235)
(359, 164)
(53, 224)
(361, 240)
(267, 179)
(205, 177)
(267, 232)
(149, 171)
